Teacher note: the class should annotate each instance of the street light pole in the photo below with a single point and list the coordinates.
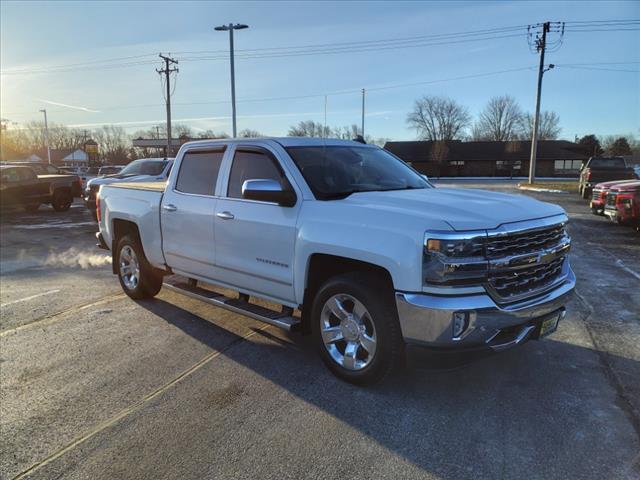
(223, 28)
(46, 135)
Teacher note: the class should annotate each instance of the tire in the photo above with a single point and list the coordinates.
(363, 346)
(137, 277)
(32, 207)
(586, 193)
(61, 201)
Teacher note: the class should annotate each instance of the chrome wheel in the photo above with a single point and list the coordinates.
(348, 332)
(129, 267)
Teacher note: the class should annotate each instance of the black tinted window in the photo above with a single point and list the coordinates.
(10, 175)
(608, 162)
(26, 174)
(144, 167)
(249, 165)
(199, 172)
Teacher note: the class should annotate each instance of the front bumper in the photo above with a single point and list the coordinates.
(612, 213)
(428, 319)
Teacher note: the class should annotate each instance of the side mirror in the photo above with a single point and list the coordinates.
(264, 190)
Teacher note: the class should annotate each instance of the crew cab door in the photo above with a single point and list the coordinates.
(187, 212)
(11, 188)
(255, 240)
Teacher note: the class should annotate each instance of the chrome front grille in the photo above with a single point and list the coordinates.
(509, 285)
(525, 263)
(596, 194)
(524, 242)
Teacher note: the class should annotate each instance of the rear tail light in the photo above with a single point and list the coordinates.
(588, 174)
(98, 213)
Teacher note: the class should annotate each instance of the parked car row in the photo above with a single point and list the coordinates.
(29, 186)
(619, 200)
(142, 170)
(603, 169)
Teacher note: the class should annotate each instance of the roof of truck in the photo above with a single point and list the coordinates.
(284, 141)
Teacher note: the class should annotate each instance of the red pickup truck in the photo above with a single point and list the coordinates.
(599, 196)
(623, 203)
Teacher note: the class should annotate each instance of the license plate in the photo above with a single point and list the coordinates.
(549, 325)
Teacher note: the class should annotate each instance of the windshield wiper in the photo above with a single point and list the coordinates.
(406, 187)
(339, 195)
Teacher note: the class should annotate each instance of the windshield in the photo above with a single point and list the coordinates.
(144, 167)
(338, 171)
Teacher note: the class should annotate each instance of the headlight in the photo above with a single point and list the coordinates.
(454, 259)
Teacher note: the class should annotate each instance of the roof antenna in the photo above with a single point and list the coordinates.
(359, 139)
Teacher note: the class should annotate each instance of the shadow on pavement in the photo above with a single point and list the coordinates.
(545, 410)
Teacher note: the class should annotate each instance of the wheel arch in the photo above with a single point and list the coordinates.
(119, 229)
(321, 267)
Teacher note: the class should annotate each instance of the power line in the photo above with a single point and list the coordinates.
(319, 95)
(397, 39)
(110, 60)
(596, 68)
(451, 38)
(345, 47)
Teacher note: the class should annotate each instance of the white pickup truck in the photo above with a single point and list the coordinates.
(365, 248)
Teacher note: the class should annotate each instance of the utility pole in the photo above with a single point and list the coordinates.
(540, 45)
(324, 130)
(223, 28)
(167, 72)
(362, 128)
(46, 135)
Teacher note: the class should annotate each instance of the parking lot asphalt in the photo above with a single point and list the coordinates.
(95, 385)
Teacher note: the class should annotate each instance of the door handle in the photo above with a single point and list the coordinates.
(225, 215)
(170, 207)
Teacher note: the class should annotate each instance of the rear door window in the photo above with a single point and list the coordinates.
(26, 174)
(199, 172)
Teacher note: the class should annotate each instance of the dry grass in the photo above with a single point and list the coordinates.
(569, 186)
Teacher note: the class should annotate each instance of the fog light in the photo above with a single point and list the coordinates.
(460, 323)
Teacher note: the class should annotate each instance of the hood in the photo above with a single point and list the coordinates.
(462, 209)
(613, 183)
(626, 187)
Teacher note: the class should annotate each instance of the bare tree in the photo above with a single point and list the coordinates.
(114, 145)
(500, 120)
(438, 118)
(348, 132)
(309, 128)
(548, 129)
(210, 134)
(248, 133)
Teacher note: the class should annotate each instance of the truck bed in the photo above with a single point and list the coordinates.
(150, 186)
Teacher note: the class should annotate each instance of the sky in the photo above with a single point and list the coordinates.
(123, 39)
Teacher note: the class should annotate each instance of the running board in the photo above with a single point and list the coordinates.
(272, 317)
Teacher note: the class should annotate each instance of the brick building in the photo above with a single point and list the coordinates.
(556, 158)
